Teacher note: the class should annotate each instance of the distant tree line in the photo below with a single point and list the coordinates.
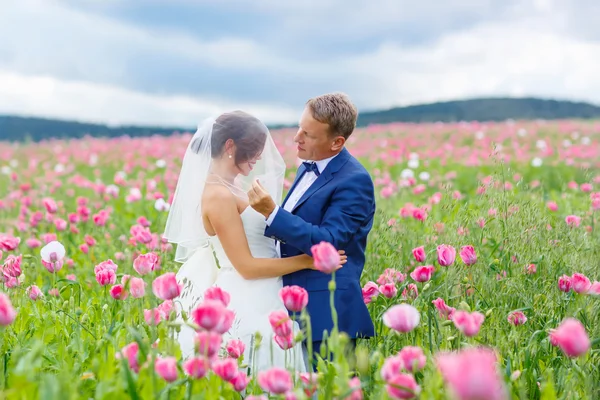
(14, 128)
(35, 129)
(493, 109)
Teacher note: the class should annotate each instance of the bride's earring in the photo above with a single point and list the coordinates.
(230, 156)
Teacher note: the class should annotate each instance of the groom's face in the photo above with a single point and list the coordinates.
(313, 138)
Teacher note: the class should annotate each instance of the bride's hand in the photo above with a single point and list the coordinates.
(343, 258)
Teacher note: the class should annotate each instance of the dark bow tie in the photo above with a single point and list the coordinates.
(311, 166)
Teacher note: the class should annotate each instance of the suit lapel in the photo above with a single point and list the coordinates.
(321, 180)
(326, 176)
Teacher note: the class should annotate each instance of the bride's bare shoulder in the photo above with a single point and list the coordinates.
(217, 196)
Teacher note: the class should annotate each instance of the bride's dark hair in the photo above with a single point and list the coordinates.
(247, 132)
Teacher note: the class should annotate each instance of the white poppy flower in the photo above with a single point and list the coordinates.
(52, 252)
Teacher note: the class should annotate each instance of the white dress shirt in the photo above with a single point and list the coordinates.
(305, 182)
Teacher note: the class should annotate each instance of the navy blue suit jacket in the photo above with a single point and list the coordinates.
(337, 208)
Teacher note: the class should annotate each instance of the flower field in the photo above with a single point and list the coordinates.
(482, 273)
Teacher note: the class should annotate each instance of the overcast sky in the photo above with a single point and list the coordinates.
(175, 62)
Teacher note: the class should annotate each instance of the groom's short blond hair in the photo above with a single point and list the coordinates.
(336, 110)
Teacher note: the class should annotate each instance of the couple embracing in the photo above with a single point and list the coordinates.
(233, 232)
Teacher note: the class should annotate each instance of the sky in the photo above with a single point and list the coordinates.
(175, 62)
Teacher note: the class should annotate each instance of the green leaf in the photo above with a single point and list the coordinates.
(547, 390)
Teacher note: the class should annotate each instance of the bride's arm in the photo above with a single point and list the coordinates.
(222, 212)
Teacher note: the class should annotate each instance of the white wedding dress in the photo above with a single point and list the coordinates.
(251, 300)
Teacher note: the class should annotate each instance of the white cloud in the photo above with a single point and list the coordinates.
(491, 59)
(356, 18)
(90, 102)
(48, 37)
(65, 63)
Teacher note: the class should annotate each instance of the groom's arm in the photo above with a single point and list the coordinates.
(351, 205)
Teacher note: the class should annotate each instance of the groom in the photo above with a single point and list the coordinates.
(332, 200)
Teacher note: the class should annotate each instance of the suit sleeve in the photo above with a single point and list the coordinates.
(351, 205)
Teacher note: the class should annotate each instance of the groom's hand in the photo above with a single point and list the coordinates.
(260, 199)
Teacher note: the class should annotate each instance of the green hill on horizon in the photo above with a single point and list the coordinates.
(16, 128)
(484, 109)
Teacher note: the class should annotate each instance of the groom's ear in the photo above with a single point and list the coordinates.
(338, 143)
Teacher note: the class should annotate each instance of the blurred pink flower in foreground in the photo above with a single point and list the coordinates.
(468, 323)
(218, 294)
(275, 380)
(472, 374)
(235, 348)
(166, 287)
(444, 310)
(146, 263)
(225, 368)
(208, 343)
(130, 353)
(212, 315)
(9, 243)
(196, 367)
(412, 358)
(402, 386)
(166, 368)
(281, 323)
(326, 257)
(7, 312)
(356, 387)
(402, 318)
(295, 298)
(571, 337)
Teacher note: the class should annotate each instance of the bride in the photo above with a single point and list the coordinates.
(221, 238)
